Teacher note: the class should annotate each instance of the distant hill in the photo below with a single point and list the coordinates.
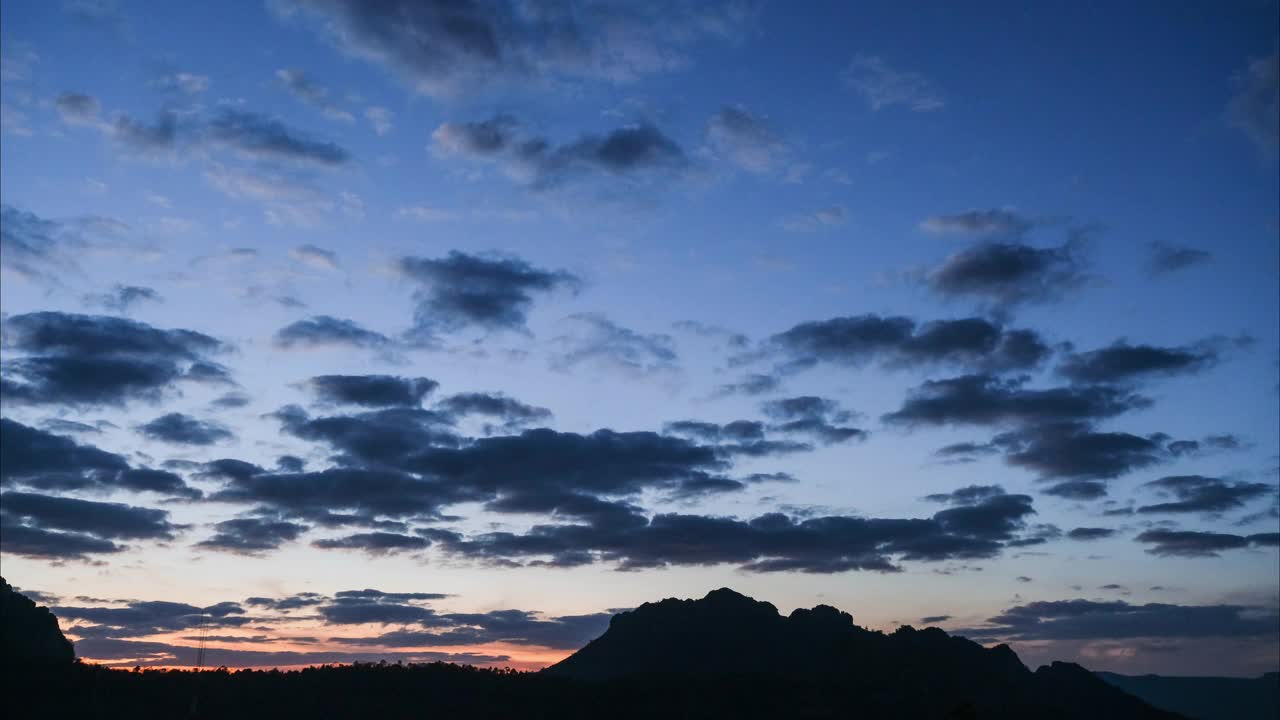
(29, 634)
(1206, 698)
(909, 673)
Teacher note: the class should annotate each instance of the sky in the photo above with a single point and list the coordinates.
(340, 331)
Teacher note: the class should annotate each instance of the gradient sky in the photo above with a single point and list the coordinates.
(439, 330)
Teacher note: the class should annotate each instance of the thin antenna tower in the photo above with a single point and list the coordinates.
(204, 631)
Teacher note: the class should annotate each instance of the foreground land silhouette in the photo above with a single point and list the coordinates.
(724, 655)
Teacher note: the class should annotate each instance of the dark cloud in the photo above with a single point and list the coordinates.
(376, 438)
(1084, 456)
(896, 342)
(506, 412)
(740, 437)
(1008, 274)
(156, 138)
(445, 48)
(231, 400)
(517, 627)
(122, 298)
(745, 139)
(249, 536)
(989, 400)
(1192, 543)
(980, 222)
(1120, 362)
(633, 152)
(61, 425)
(599, 340)
(1166, 258)
(147, 617)
(63, 528)
(375, 543)
(751, 384)
(489, 292)
(327, 331)
(371, 390)
(768, 543)
(95, 360)
(818, 418)
(181, 429)
(49, 462)
(934, 619)
(965, 452)
(967, 495)
(77, 108)
(1255, 108)
(1117, 619)
(1208, 495)
(339, 496)
(1090, 533)
(266, 138)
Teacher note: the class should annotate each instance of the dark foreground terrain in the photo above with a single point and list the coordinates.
(725, 655)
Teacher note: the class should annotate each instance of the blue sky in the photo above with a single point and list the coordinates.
(607, 216)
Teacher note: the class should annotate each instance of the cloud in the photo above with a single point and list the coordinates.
(1255, 108)
(1206, 495)
(37, 525)
(180, 429)
(1191, 543)
(77, 108)
(316, 257)
(371, 390)
(250, 536)
(96, 360)
(633, 152)
(189, 83)
(122, 298)
(883, 86)
(1121, 362)
(313, 94)
(1080, 454)
(375, 543)
(769, 543)
(1008, 274)
(44, 461)
(898, 342)
(830, 216)
(1166, 258)
(327, 331)
(40, 249)
(380, 118)
(745, 139)
(1090, 533)
(1117, 619)
(990, 400)
(156, 138)
(751, 384)
(264, 138)
(488, 292)
(449, 48)
(980, 222)
(510, 413)
(813, 416)
(602, 342)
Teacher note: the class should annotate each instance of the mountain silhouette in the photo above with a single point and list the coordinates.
(29, 634)
(1206, 698)
(915, 673)
(725, 655)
